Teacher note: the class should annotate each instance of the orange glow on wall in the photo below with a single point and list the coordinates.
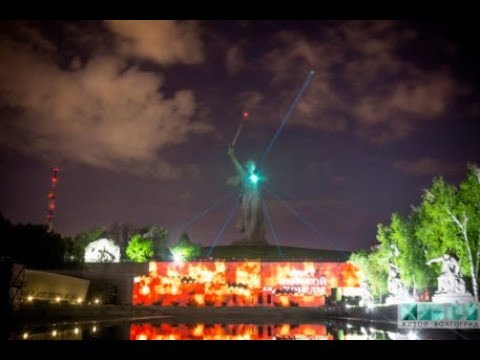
(250, 283)
(228, 332)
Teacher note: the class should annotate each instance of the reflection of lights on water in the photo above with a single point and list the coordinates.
(54, 333)
(229, 332)
(25, 336)
(412, 335)
(76, 331)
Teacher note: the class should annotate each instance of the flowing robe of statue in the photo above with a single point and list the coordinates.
(449, 281)
(250, 223)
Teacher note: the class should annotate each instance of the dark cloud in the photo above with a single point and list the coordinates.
(427, 166)
(234, 59)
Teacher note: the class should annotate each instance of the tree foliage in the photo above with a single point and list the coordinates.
(33, 246)
(374, 268)
(139, 249)
(450, 223)
(121, 233)
(159, 237)
(446, 221)
(405, 250)
(185, 248)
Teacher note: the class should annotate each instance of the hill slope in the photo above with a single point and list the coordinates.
(271, 253)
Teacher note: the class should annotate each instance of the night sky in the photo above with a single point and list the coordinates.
(138, 116)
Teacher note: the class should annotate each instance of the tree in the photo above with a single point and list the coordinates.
(406, 250)
(374, 267)
(185, 249)
(32, 245)
(74, 252)
(450, 221)
(159, 236)
(121, 233)
(139, 249)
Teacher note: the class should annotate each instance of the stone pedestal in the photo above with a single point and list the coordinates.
(453, 298)
(392, 300)
(250, 242)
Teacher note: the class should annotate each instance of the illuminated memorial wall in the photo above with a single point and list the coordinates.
(250, 283)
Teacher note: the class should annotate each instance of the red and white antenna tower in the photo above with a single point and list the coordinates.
(51, 199)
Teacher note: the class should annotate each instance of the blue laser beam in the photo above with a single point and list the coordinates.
(303, 220)
(224, 226)
(287, 115)
(274, 234)
(204, 212)
(323, 209)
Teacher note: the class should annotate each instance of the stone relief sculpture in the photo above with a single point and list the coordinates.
(101, 251)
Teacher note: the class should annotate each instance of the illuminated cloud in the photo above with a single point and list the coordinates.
(361, 82)
(234, 60)
(106, 114)
(251, 100)
(395, 114)
(162, 41)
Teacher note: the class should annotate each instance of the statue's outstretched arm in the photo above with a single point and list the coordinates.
(235, 162)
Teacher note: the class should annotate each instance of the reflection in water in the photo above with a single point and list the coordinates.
(57, 333)
(156, 330)
(202, 331)
(229, 332)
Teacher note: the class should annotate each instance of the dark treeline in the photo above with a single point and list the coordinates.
(34, 247)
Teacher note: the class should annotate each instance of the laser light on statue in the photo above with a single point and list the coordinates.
(254, 178)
